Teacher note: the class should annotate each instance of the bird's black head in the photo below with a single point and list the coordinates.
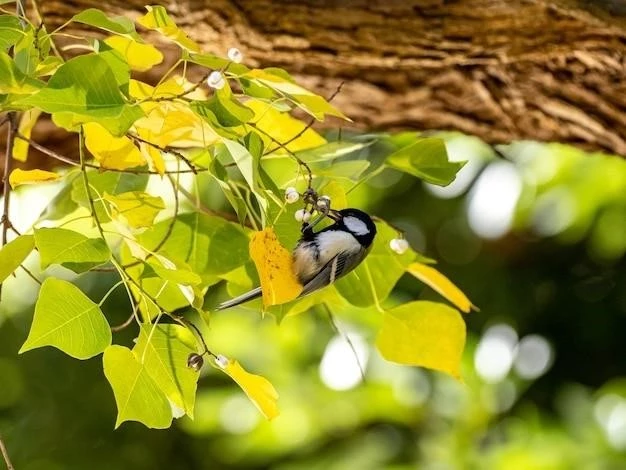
(356, 222)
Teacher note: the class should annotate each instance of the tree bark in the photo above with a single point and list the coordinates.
(502, 70)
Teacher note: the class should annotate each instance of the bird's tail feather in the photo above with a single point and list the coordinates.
(253, 294)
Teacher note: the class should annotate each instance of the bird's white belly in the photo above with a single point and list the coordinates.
(330, 244)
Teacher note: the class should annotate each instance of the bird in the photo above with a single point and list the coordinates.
(320, 258)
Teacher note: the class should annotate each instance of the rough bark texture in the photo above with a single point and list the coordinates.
(499, 69)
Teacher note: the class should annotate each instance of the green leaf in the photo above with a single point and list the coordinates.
(14, 253)
(108, 182)
(425, 334)
(163, 350)
(427, 159)
(113, 24)
(373, 280)
(330, 151)
(209, 245)
(137, 396)
(68, 320)
(138, 208)
(71, 249)
(10, 31)
(85, 89)
(211, 61)
(13, 80)
(158, 20)
(178, 273)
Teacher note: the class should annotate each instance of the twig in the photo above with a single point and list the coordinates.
(127, 323)
(6, 190)
(32, 276)
(69, 161)
(83, 170)
(347, 339)
(5, 455)
(176, 153)
(308, 125)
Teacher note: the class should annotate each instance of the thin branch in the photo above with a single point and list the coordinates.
(346, 338)
(202, 208)
(32, 276)
(176, 153)
(5, 455)
(180, 95)
(126, 324)
(83, 170)
(69, 161)
(8, 165)
(308, 125)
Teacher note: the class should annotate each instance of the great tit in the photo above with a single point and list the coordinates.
(320, 258)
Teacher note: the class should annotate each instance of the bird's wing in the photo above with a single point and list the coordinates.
(253, 294)
(337, 267)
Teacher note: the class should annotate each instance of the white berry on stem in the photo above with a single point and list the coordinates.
(291, 195)
(302, 215)
(216, 80)
(399, 245)
(235, 55)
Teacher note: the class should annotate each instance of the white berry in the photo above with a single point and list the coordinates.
(399, 245)
(291, 195)
(235, 55)
(216, 80)
(221, 361)
(302, 216)
(323, 202)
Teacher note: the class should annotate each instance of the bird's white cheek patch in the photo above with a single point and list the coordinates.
(355, 225)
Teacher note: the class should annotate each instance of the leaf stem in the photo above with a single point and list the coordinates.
(5, 455)
(109, 292)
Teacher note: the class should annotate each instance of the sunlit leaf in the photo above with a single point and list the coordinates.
(140, 57)
(28, 119)
(425, 334)
(85, 89)
(168, 270)
(209, 245)
(137, 396)
(427, 159)
(10, 31)
(331, 151)
(13, 80)
(107, 182)
(275, 267)
(118, 153)
(14, 253)
(440, 283)
(19, 176)
(158, 20)
(373, 280)
(68, 320)
(283, 128)
(69, 248)
(138, 208)
(113, 24)
(163, 350)
(259, 389)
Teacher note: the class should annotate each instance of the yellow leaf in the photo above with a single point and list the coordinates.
(176, 125)
(118, 153)
(138, 208)
(27, 122)
(18, 177)
(140, 57)
(275, 267)
(158, 19)
(425, 334)
(337, 194)
(259, 389)
(441, 284)
(283, 128)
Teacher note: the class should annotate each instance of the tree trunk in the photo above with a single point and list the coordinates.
(502, 70)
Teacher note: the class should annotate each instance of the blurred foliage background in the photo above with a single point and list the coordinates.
(535, 234)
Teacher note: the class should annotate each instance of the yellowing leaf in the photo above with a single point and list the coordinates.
(27, 122)
(275, 267)
(426, 334)
(140, 57)
(137, 207)
(440, 283)
(259, 389)
(175, 124)
(158, 19)
(19, 176)
(117, 153)
(151, 153)
(283, 128)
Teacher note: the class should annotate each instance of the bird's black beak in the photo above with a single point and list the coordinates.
(335, 215)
